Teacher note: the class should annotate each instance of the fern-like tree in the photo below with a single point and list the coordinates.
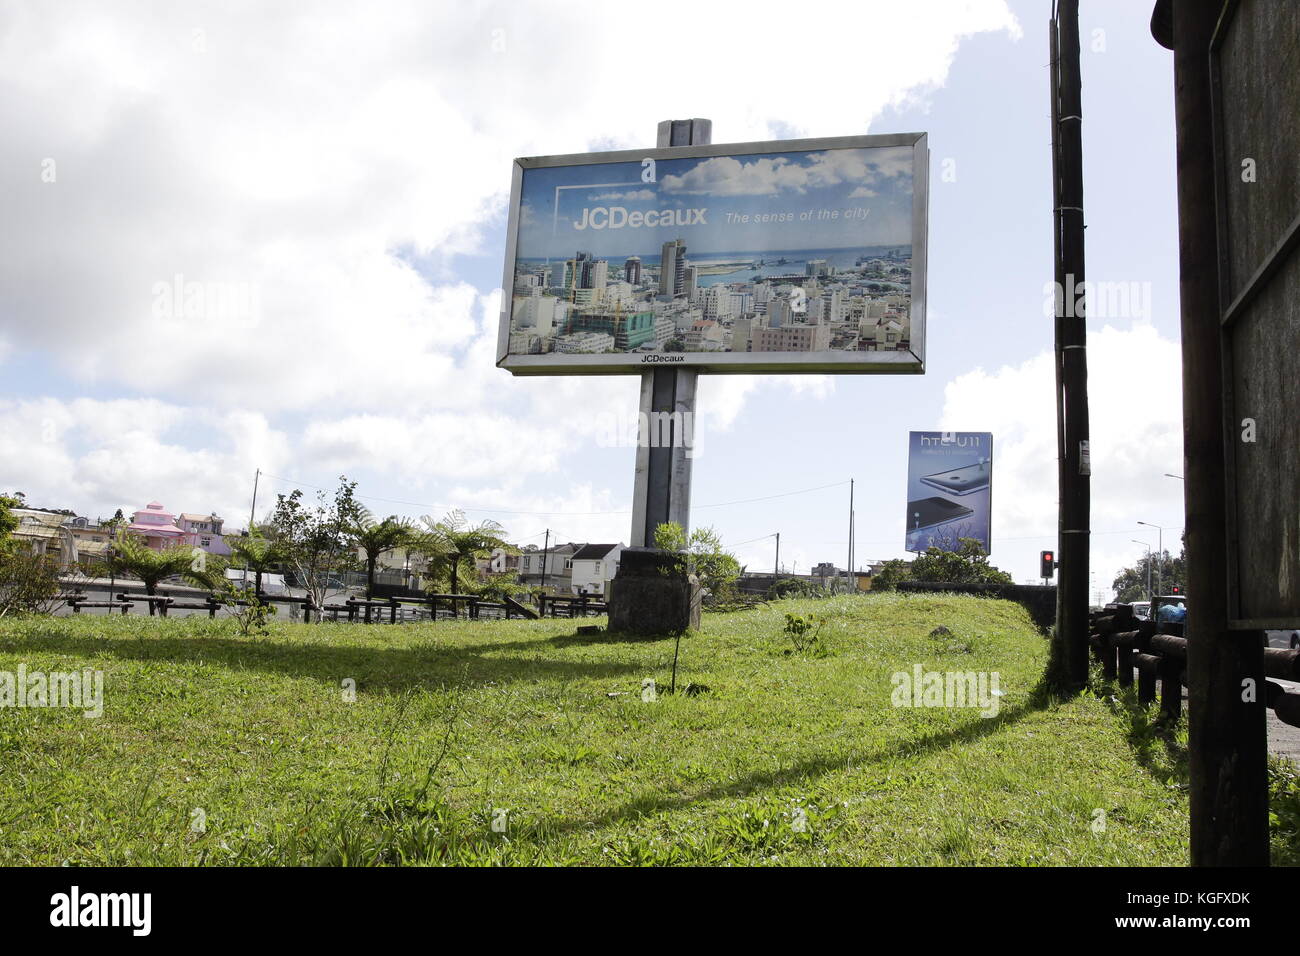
(258, 551)
(132, 557)
(377, 538)
(453, 540)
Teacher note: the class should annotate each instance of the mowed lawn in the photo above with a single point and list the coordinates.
(523, 742)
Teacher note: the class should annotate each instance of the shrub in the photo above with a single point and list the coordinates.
(29, 583)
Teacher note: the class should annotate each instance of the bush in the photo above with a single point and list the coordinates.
(29, 583)
(794, 588)
(891, 575)
(969, 564)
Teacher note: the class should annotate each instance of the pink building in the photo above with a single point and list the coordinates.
(156, 525)
(204, 531)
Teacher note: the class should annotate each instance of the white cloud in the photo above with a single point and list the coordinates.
(98, 456)
(315, 154)
(1135, 419)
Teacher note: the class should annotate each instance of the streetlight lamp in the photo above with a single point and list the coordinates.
(1160, 548)
(1148, 547)
(1179, 477)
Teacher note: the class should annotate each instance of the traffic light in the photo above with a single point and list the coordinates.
(1047, 564)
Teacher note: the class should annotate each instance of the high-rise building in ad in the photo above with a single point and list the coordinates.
(672, 267)
(632, 270)
(689, 281)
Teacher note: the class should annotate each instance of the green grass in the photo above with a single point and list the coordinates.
(788, 758)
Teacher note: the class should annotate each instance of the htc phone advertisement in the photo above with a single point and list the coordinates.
(949, 489)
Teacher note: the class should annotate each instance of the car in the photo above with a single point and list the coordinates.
(1286, 638)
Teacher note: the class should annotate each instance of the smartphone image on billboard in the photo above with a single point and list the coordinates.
(932, 512)
(960, 481)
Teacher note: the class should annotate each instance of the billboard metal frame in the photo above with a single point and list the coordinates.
(911, 361)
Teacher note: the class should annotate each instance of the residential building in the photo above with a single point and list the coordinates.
(594, 566)
(204, 531)
(61, 534)
(558, 563)
(157, 526)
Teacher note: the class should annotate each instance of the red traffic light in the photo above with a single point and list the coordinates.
(1047, 564)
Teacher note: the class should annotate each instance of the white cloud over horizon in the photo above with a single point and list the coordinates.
(338, 163)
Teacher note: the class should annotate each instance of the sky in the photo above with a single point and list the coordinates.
(327, 186)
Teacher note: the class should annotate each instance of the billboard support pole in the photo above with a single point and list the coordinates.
(662, 490)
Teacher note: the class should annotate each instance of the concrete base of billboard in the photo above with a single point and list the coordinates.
(653, 594)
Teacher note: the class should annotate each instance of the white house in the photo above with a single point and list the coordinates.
(594, 566)
(559, 567)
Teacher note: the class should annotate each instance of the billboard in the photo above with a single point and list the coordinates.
(785, 256)
(949, 489)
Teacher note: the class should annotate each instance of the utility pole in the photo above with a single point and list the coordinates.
(849, 569)
(1071, 351)
(662, 491)
(776, 568)
(546, 547)
(252, 515)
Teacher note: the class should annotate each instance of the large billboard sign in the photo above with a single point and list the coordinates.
(949, 489)
(786, 256)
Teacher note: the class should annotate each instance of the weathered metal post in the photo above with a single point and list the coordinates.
(662, 490)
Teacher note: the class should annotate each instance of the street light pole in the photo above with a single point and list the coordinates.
(1160, 553)
(1148, 547)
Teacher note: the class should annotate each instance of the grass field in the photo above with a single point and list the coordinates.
(522, 742)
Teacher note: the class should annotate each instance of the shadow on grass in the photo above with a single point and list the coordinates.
(807, 770)
(1152, 737)
(391, 669)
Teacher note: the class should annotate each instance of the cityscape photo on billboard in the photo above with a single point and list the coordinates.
(949, 489)
(789, 256)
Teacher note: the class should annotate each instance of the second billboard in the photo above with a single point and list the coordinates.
(949, 489)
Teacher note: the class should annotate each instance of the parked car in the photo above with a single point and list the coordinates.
(1284, 638)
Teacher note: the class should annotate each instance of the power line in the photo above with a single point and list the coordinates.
(574, 514)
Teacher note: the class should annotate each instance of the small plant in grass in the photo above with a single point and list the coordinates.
(249, 613)
(805, 634)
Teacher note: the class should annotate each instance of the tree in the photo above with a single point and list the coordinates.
(8, 520)
(716, 567)
(377, 538)
(315, 540)
(453, 540)
(131, 556)
(969, 564)
(891, 575)
(258, 551)
(1166, 571)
